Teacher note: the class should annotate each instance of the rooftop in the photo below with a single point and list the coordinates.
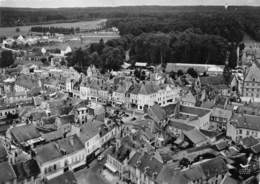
(24, 133)
(206, 169)
(246, 121)
(147, 163)
(90, 129)
(195, 136)
(7, 173)
(27, 169)
(57, 149)
(157, 113)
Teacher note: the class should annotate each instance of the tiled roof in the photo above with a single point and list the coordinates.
(26, 170)
(90, 129)
(256, 148)
(53, 150)
(7, 173)
(24, 133)
(147, 164)
(222, 113)
(247, 142)
(3, 153)
(194, 110)
(229, 180)
(246, 121)
(67, 119)
(213, 80)
(195, 136)
(206, 169)
(179, 125)
(157, 113)
(253, 74)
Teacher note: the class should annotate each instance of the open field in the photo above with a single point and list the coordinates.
(24, 30)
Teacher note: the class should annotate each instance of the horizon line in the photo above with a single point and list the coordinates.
(217, 5)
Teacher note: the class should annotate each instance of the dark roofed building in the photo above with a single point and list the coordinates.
(148, 165)
(26, 135)
(26, 170)
(208, 171)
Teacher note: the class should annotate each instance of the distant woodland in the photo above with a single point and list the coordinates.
(154, 34)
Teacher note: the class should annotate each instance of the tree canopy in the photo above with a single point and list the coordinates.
(6, 58)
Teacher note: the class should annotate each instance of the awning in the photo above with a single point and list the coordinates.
(110, 167)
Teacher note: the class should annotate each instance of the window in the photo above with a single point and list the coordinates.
(247, 132)
(240, 131)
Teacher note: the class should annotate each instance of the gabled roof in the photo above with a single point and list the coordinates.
(90, 129)
(157, 113)
(147, 164)
(246, 121)
(229, 180)
(180, 125)
(248, 142)
(53, 150)
(24, 133)
(189, 97)
(27, 169)
(206, 169)
(221, 113)
(253, 74)
(148, 88)
(200, 112)
(195, 136)
(7, 173)
(67, 119)
(256, 148)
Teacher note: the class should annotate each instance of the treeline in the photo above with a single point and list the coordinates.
(222, 24)
(188, 46)
(105, 56)
(179, 47)
(230, 23)
(60, 30)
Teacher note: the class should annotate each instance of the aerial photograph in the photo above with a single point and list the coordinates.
(129, 91)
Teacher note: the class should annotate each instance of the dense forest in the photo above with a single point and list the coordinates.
(154, 34)
(230, 23)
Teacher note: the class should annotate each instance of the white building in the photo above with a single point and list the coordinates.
(57, 157)
(243, 126)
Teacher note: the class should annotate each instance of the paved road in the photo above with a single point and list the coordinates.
(92, 175)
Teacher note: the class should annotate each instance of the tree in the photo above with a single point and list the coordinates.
(180, 73)
(185, 162)
(7, 58)
(192, 72)
(227, 74)
(137, 73)
(172, 74)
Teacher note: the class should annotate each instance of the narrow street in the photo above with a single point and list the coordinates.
(92, 175)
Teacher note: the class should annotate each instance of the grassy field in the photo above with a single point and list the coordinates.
(24, 30)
